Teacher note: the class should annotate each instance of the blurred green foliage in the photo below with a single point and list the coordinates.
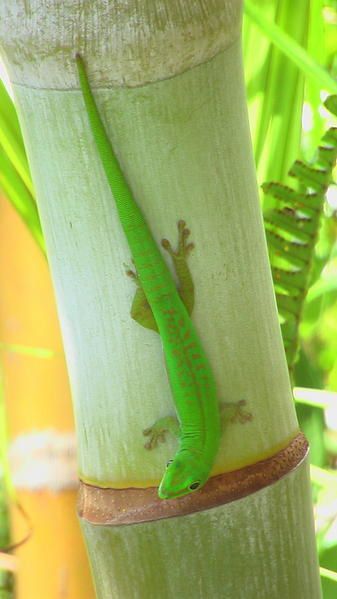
(287, 115)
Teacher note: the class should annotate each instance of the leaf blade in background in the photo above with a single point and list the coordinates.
(291, 48)
(15, 179)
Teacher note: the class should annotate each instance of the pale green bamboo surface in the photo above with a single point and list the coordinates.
(254, 548)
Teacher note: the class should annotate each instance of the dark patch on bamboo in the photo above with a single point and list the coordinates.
(116, 507)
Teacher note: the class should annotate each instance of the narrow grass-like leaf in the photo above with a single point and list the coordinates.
(330, 574)
(314, 397)
(11, 138)
(20, 197)
(291, 48)
(15, 179)
(26, 350)
(323, 477)
(275, 88)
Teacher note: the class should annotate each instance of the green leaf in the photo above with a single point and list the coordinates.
(26, 350)
(15, 179)
(330, 574)
(290, 48)
(11, 138)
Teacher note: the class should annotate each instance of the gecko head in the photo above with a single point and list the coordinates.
(184, 474)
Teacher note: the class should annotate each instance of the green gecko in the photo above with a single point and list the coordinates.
(159, 306)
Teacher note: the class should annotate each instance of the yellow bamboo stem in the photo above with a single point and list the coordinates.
(52, 562)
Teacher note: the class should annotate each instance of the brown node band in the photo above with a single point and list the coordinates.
(116, 507)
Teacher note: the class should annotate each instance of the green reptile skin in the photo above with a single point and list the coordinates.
(189, 372)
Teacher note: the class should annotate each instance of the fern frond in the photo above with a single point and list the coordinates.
(292, 229)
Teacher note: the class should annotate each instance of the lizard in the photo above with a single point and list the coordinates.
(158, 305)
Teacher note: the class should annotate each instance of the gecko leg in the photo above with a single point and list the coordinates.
(179, 259)
(232, 412)
(140, 309)
(158, 431)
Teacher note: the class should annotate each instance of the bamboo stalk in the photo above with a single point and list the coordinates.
(183, 142)
(49, 565)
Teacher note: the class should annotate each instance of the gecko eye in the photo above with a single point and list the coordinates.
(168, 463)
(194, 486)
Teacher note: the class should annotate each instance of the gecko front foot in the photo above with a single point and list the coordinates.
(158, 431)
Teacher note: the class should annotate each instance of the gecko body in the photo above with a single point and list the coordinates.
(191, 379)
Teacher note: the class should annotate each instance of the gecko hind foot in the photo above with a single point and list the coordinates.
(133, 274)
(140, 309)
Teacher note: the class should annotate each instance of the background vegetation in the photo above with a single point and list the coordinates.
(290, 56)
